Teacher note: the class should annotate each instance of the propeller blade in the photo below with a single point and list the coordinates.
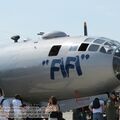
(85, 29)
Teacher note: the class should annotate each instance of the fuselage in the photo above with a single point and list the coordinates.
(59, 67)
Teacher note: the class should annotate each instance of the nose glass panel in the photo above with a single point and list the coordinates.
(116, 63)
(117, 53)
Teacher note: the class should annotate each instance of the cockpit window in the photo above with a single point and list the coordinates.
(109, 47)
(110, 44)
(54, 50)
(102, 50)
(89, 40)
(106, 49)
(83, 47)
(93, 47)
(99, 41)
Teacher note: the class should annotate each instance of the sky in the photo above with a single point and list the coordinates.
(28, 17)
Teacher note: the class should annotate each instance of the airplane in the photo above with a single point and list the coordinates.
(60, 65)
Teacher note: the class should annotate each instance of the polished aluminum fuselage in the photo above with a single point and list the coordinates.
(22, 70)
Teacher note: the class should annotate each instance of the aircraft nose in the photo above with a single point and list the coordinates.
(116, 63)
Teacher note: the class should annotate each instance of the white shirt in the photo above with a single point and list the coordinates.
(16, 106)
(100, 109)
(5, 104)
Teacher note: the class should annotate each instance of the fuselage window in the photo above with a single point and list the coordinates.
(54, 50)
(93, 47)
(99, 41)
(83, 47)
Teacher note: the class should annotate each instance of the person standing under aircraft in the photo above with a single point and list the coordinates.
(97, 108)
(54, 109)
(52, 105)
(17, 104)
(4, 106)
(111, 107)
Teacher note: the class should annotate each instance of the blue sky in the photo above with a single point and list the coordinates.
(28, 17)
